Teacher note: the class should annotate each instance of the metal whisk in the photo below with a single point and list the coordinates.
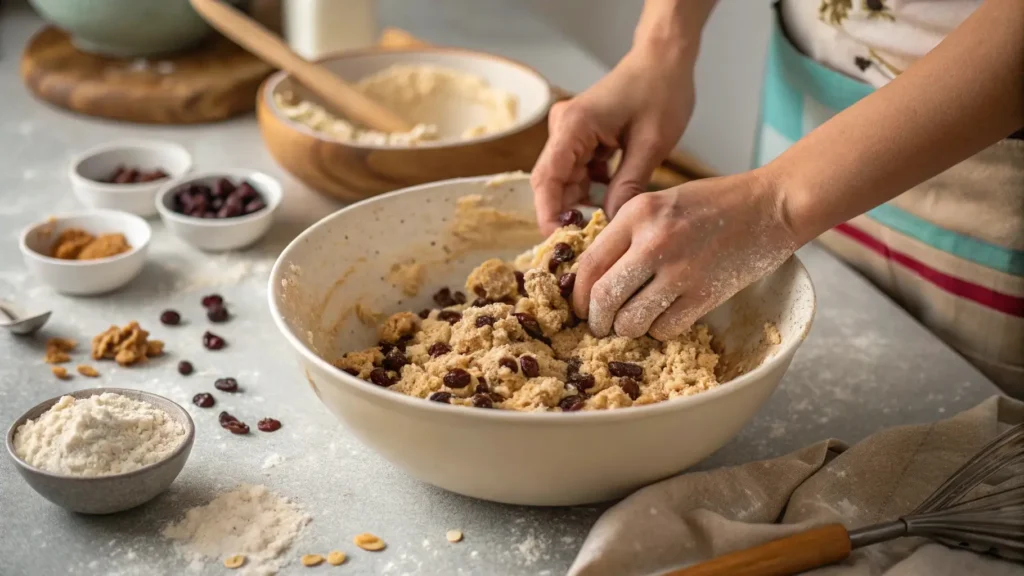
(991, 523)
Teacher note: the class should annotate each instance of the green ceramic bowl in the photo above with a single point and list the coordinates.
(128, 28)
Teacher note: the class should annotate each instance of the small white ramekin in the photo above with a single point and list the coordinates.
(90, 168)
(86, 277)
(218, 235)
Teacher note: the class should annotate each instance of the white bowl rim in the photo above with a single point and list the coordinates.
(520, 125)
(115, 214)
(190, 434)
(276, 193)
(126, 144)
(746, 379)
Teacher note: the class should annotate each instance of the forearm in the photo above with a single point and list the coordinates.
(963, 96)
(671, 29)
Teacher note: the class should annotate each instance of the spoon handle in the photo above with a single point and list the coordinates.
(335, 92)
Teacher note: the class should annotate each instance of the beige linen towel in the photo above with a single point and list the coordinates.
(697, 516)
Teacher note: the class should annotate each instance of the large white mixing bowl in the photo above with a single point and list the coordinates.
(512, 457)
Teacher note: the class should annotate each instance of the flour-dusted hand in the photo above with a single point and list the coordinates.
(672, 256)
(640, 107)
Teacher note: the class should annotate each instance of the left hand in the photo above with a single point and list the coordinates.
(670, 257)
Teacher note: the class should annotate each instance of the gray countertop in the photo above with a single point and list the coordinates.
(866, 365)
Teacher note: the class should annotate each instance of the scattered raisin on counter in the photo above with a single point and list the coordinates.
(211, 300)
(213, 342)
(268, 425)
(217, 314)
(203, 400)
(170, 318)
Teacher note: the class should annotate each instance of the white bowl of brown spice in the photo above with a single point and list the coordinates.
(86, 253)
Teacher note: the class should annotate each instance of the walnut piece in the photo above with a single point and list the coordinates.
(126, 346)
(57, 350)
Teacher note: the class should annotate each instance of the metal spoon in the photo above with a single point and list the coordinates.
(12, 319)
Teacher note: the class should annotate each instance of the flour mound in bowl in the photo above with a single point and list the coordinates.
(425, 95)
(514, 343)
(98, 436)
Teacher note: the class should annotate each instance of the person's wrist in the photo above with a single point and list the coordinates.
(670, 30)
(666, 52)
(793, 202)
(772, 194)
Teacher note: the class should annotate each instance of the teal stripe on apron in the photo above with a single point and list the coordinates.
(794, 82)
(971, 249)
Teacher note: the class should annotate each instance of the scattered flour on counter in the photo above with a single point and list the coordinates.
(98, 436)
(216, 274)
(530, 548)
(247, 520)
(272, 461)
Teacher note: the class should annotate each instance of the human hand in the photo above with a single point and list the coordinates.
(641, 107)
(672, 256)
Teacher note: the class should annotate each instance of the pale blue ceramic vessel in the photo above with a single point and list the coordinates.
(128, 28)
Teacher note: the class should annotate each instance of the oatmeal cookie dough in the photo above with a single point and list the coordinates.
(518, 345)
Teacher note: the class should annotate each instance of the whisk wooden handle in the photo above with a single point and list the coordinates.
(783, 557)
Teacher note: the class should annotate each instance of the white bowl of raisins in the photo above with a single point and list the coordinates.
(331, 283)
(125, 175)
(221, 210)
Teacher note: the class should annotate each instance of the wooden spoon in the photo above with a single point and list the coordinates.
(335, 92)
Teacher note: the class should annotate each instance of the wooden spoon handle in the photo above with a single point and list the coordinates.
(337, 93)
(791, 555)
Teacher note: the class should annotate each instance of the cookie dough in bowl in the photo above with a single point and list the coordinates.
(336, 289)
(519, 346)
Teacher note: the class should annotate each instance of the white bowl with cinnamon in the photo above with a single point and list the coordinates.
(86, 253)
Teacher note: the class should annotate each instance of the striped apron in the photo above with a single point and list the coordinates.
(950, 251)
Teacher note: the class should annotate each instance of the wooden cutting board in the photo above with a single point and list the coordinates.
(678, 168)
(213, 82)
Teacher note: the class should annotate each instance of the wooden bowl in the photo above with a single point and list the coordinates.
(350, 172)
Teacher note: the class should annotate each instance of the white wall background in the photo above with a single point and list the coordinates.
(728, 75)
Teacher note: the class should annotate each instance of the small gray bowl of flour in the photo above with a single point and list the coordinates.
(101, 450)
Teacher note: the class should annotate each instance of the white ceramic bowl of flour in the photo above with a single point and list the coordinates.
(504, 456)
(86, 484)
